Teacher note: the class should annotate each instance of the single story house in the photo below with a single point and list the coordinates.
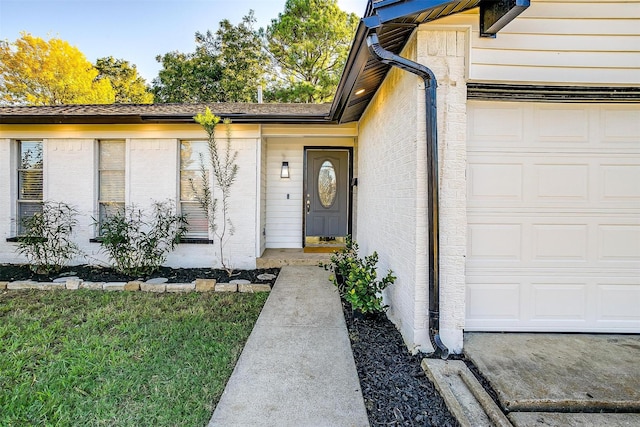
(488, 151)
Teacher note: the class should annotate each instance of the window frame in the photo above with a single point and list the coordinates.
(198, 236)
(20, 170)
(101, 201)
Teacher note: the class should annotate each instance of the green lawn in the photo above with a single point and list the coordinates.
(118, 358)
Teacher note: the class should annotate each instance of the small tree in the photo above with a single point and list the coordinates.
(47, 240)
(225, 171)
(138, 243)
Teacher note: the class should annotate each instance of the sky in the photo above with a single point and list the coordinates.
(134, 30)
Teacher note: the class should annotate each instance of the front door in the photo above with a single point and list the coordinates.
(326, 195)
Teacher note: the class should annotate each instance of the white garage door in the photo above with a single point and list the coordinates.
(554, 217)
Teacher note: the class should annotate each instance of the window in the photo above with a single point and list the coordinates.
(111, 176)
(190, 177)
(29, 181)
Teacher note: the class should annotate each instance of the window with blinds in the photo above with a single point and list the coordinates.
(191, 177)
(111, 177)
(30, 179)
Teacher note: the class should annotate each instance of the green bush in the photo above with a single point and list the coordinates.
(356, 278)
(340, 264)
(362, 288)
(47, 240)
(137, 243)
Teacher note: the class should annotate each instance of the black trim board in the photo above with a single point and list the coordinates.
(541, 93)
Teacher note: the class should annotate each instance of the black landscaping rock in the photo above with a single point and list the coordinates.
(89, 273)
(396, 390)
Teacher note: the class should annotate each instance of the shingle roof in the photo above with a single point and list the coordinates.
(159, 113)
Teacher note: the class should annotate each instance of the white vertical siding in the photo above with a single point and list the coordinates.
(284, 196)
(581, 42)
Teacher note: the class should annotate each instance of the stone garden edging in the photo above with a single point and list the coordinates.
(198, 285)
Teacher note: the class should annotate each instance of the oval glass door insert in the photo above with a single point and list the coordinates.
(327, 184)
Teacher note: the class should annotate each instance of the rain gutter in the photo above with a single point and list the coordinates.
(430, 83)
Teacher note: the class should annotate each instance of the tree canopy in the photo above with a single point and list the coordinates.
(34, 71)
(129, 86)
(309, 43)
(298, 58)
(227, 66)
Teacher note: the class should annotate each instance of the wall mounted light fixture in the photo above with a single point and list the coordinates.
(284, 172)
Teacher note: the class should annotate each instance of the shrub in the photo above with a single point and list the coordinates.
(138, 243)
(363, 289)
(356, 278)
(340, 264)
(47, 240)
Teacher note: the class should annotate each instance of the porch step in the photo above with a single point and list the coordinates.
(272, 258)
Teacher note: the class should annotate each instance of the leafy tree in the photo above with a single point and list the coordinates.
(227, 66)
(241, 57)
(38, 72)
(309, 43)
(186, 77)
(129, 87)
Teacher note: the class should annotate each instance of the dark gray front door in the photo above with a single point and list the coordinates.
(326, 193)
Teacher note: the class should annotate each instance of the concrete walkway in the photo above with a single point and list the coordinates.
(297, 367)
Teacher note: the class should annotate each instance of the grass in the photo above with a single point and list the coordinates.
(118, 358)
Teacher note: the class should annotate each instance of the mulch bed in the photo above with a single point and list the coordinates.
(396, 390)
(92, 273)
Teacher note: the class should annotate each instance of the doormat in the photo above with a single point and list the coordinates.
(321, 249)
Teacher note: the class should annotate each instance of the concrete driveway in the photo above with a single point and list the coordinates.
(561, 379)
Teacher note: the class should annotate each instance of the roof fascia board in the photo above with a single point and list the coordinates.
(138, 119)
(390, 10)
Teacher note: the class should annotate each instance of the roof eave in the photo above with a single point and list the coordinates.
(402, 16)
(139, 119)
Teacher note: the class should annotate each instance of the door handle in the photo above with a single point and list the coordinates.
(308, 204)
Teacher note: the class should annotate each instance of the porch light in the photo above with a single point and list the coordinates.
(360, 92)
(284, 172)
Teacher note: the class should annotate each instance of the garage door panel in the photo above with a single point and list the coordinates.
(619, 303)
(495, 181)
(560, 242)
(562, 181)
(620, 183)
(559, 301)
(553, 218)
(493, 301)
(497, 242)
(620, 124)
(619, 242)
(497, 122)
(588, 181)
(561, 125)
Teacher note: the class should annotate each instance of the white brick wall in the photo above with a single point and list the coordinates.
(392, 205)
(7, 199)
(444, 52)
(391, 212)
(70, 175)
